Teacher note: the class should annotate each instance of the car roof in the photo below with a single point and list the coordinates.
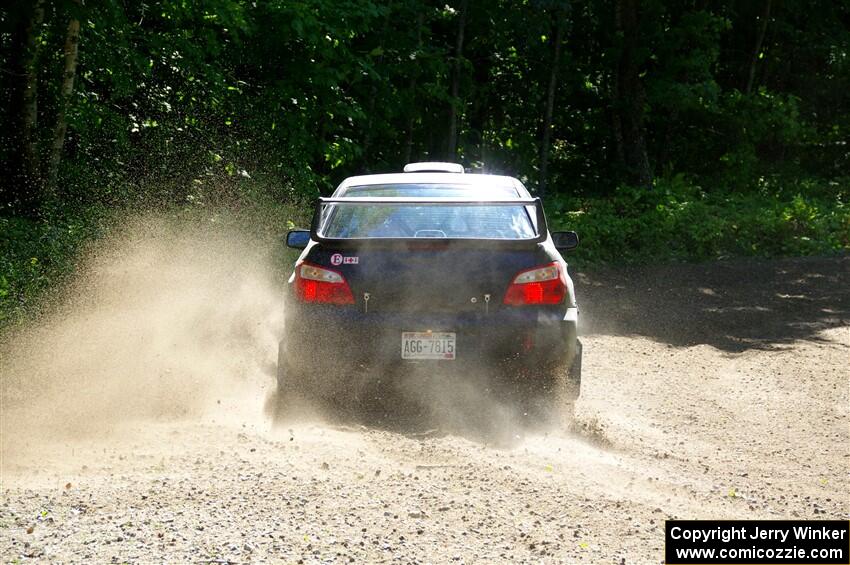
(473, 180)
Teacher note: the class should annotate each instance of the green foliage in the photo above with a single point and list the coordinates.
(309, 92)
(216, 104)
(679, 221)
(35, 255)
(38, 255)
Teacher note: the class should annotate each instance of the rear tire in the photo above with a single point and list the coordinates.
(551, 391)
(572, 386)
(289, 395)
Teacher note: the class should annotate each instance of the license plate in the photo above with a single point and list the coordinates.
(428, 345)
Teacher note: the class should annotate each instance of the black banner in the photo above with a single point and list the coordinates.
(757, 542)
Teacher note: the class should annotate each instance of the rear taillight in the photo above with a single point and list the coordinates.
(319, 285)
(540, 285)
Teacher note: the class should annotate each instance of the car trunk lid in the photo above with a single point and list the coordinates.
(433, 276)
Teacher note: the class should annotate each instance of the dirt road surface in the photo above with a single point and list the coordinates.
(710, 391)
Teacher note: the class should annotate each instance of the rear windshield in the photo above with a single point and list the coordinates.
(341, 221)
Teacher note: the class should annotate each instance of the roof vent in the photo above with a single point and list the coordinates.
(433, 167)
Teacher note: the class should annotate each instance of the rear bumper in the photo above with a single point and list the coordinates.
(329, 338)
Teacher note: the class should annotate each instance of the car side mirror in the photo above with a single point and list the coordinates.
(297, 239)
(565, 240)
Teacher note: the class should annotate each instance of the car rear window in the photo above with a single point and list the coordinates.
(429, 221)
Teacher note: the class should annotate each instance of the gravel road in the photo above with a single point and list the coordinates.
(710, 391)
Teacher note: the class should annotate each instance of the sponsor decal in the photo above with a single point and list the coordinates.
(338, 259)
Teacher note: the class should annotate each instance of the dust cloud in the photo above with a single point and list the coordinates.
(476, 402)
(177, 320)
(165, 320)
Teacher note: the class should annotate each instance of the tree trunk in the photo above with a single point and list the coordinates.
(28, 172)
(550, 104)
(751, 75)
(370, 108)
(630, 96)
(411, 121)
(663, 154)
(451, 152)
(476, 115)
(72, 42)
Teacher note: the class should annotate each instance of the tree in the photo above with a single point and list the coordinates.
(559, 18)
(630, 96)
(762, 29)
(72, 40)
(454, 102)
(23, 192)
(590, 95)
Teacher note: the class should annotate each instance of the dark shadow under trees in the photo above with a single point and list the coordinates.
(731, 305)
